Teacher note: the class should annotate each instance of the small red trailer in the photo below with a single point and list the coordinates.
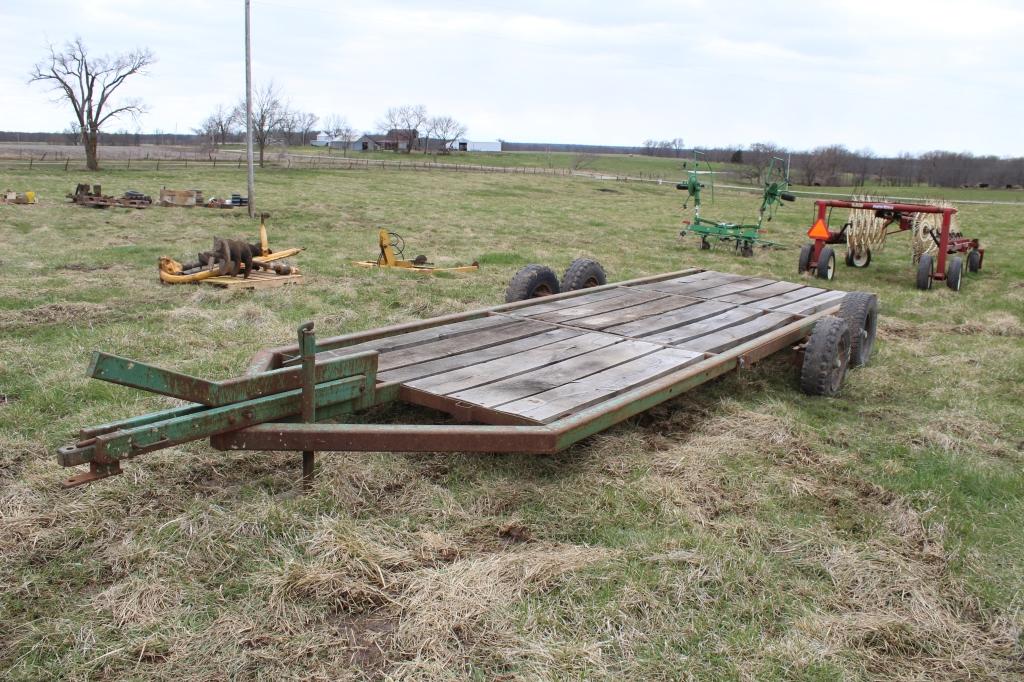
(820, 259)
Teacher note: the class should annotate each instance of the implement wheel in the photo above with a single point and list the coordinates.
(583, 273)
(826, 268)
(861, 258)
(805, 258)
(955, 273)
(747, 250)
(532, 281)
(860, 310)
(925, 269)
(704, 243)
(826, 357)
(973, 260)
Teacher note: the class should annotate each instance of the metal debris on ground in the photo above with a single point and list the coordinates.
(12, 197)
(93, 197)
(232, 262)
(392, 252)
(189, 198)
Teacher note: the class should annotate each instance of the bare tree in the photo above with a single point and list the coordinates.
(217, 126)
(677, 146)
(406, 122)
(88, 84)
(270, 116)
(759, 158)
(304, 121)
(445, 130)
(340, 129)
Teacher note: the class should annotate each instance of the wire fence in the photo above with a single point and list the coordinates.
(329, 162)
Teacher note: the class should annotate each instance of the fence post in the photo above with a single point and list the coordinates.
(66, 162)
(30, 163)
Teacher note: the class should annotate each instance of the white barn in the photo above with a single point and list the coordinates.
(478, 146)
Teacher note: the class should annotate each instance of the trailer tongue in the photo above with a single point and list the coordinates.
(533, 376)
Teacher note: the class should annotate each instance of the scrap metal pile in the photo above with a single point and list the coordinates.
(189, 198)
(93, 197)
(12, 197)
(230, 258)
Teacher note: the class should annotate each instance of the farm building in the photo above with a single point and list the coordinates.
(477, 146)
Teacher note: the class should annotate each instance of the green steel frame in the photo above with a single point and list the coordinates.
(745, 235)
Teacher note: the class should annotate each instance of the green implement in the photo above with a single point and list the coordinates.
(744, 235)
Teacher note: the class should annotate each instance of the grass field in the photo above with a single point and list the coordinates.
(742, 531)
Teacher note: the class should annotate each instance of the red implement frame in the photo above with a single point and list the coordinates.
(902, 216)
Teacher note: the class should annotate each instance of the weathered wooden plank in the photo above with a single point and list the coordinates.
(815, 304)
(633, 313)
(724, 339)
(461, 344)
(542, 306)
(760, 293)
(630, 298)
(529, 383)
(512, 365)
(729, 318)
(669, 320)
(734, 287)
(400, 341)
(692, 287)
(581, 393)
(453, 362)
(787, 298)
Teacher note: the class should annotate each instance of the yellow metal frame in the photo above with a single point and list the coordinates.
(388, 260)
(170, 269)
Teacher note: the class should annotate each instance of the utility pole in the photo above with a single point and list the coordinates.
(248, 112)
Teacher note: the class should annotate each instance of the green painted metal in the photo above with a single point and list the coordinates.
(136, 374)
(744, 234)
(128, 443)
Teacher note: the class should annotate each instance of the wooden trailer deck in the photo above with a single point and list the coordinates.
(531, 376)
(552, 358)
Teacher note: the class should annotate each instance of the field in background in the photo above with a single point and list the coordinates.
(742, 531)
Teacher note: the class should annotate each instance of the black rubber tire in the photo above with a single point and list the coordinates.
(532, 281)
(705, 245)
(583, 273)
(860, 310)
(853, 261)
(805, 258)
(925, 268)
(973, 260)
(826, 258)
(747, 250)
(826, 357)
(955, 273)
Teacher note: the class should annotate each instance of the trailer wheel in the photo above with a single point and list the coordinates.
(705, 245)
(826, 357)
(532, 281)
(925, 269)
(861, 258)
(583, 273)
(955, 273)
(860, 310)
(826, 268)
(973, 260)
(747, 250)
(805, 258)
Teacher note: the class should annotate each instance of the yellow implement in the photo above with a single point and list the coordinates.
(170, 269)
(389, 241)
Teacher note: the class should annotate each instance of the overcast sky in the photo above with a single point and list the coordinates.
(890, 75)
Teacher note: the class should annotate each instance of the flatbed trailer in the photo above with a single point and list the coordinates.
(533, 376)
